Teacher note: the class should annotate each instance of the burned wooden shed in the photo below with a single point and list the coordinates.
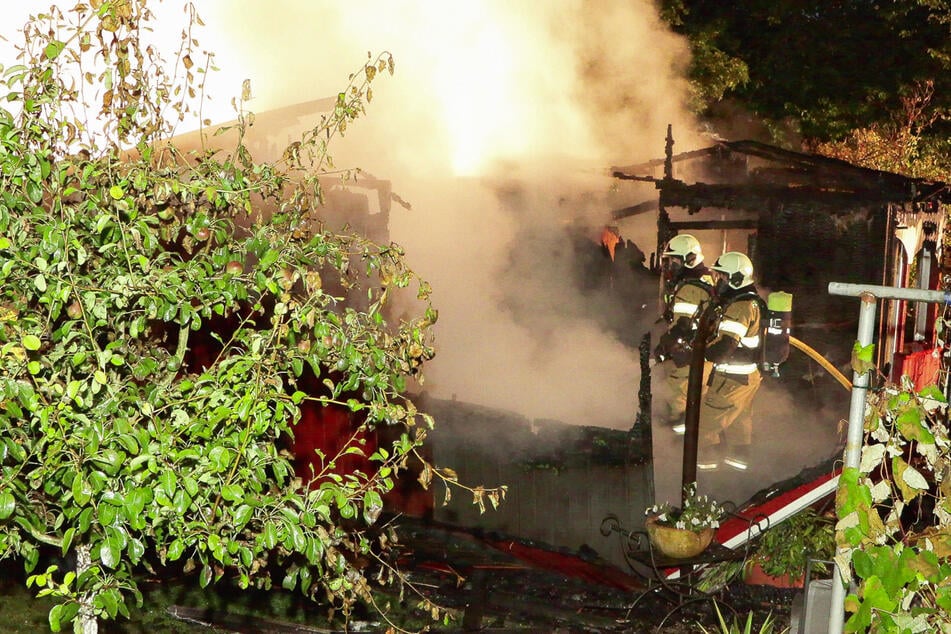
(807, 220)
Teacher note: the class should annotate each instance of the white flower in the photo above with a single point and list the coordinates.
(697, 513)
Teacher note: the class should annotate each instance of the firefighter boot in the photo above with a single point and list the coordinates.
(678, 426)
(738, 457)
(709, 458)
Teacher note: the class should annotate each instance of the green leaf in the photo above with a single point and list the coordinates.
(314, 550)
(7, 505)
(110, 601)
(68, 539)
(175, 550)
(31, 342)
(206, 574)
(34, 192)
(297, 537)
(191, 486)
(81, 490)
(269, 258)
(243, 515)
(53, 49)
(116, 192)
(181, 502)
(863, 357)
(128, 443)
(269, 536)
(109, 552)
(85, 519)
(290, 579)
(69, 612)
(168, 482)
(54, 617)
(232, 492)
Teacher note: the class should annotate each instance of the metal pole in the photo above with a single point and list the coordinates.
(856, 433)
(890, 292)
(694, 394)
(853, 446)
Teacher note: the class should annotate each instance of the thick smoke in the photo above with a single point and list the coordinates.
(498, 127)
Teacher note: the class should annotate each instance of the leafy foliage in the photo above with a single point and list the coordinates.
(804, 64)
(120, 254)
(899, 143)
(894, 510)
(785, 549)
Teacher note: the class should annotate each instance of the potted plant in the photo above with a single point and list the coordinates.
(687, 530)
(783, 551)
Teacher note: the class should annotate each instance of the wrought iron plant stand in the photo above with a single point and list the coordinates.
(675, 580)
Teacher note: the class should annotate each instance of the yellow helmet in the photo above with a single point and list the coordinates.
(685, 247)
(736, 267)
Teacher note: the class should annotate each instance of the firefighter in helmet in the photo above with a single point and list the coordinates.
(726, 423)
(688, 285)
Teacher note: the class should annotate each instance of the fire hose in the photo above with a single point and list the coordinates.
(818, 358)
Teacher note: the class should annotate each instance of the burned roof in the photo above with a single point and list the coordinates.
(754, 176)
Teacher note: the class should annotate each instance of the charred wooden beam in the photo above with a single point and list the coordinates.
(789, 170)
(634, 177)
(749, 223)
(633, 210)
(629, 170)
(762, 197)
(669, 154)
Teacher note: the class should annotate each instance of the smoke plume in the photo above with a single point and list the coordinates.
(498, 127)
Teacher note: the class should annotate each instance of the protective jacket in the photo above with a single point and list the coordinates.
(683, 309)
(735, 348)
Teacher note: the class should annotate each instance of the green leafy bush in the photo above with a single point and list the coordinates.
(894, 510)
(117, 250)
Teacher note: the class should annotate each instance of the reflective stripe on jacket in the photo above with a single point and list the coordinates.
(689, 296)
(741, 322)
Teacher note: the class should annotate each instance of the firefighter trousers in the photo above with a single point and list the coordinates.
(728, 409)
(676, 380)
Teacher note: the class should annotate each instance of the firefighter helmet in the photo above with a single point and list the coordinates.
(685, 247)
(736, 268)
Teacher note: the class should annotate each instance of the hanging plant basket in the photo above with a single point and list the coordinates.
(677, 543)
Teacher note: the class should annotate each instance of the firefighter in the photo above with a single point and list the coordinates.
(726, 424)
(689, 287)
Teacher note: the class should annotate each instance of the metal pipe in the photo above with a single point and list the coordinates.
(853, 445)
(856, 433)
(890, 292)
